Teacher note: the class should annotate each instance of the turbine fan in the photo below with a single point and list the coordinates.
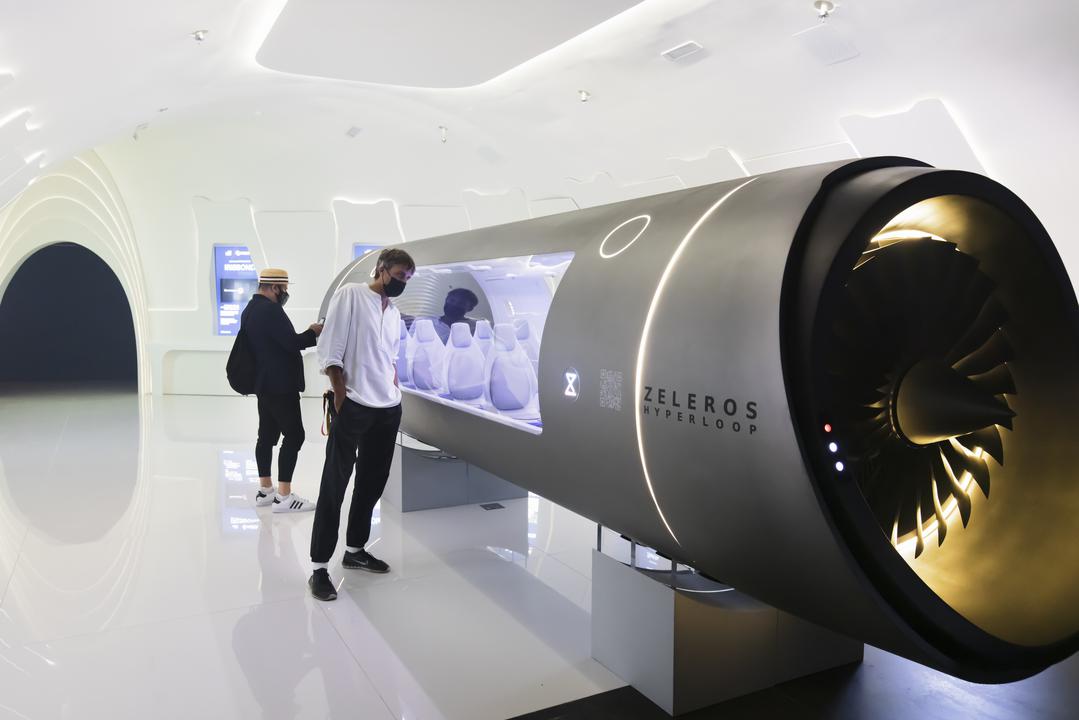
(918, 369)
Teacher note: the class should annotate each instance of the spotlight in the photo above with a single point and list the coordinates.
(584, 95)
(824, 8)
(200, 35)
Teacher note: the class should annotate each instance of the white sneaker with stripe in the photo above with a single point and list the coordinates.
(264, 497)
(292, 503)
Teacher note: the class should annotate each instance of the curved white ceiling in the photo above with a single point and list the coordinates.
(424, 43)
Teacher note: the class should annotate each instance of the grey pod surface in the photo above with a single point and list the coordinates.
(845, 389)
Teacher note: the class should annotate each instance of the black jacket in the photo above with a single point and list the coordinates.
(276, 346)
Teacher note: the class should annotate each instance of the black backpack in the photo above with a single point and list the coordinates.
(240, 368)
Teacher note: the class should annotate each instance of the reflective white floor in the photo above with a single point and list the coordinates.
(137, 580)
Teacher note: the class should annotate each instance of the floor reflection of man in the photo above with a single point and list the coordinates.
(272, 677)
(459, 302)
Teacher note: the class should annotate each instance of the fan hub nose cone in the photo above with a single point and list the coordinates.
(933, 402)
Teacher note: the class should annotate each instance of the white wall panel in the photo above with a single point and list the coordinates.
(716, 165)
(927, 131)
(373, 223)
(421, 221)
(11, 186)
(603, 189)
(798, 158)
(495, 209)
(229, 222)
(600, 189)
(302, 243)
(551, 206)
(13, 133)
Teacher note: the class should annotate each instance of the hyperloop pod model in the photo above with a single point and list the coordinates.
(848, 390)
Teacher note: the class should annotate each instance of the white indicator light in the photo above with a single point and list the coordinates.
(839, 466)
(572, 386)
(833, 447)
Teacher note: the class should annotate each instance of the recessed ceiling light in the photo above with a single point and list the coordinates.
(684, 50)
(584, 95)
(353, 131)
(444, 131)
(824, 8)
(199, 35)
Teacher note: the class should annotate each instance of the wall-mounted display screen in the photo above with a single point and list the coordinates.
(235, 280)
(361, 249)
(472, 333)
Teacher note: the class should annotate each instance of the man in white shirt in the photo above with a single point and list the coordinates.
(358, 351)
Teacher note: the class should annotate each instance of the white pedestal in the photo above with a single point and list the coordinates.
(702, 644)
(423, 477)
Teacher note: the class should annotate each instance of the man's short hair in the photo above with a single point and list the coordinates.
(392, 257)
(467, 294)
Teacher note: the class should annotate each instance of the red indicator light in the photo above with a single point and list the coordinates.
(827, 427)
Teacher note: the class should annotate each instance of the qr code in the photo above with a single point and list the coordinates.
(610, 389)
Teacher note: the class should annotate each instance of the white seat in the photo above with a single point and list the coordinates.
(527, 339)
(404, 355)
(484, 337)
(511, 388)
(465, 365)
(427, 369)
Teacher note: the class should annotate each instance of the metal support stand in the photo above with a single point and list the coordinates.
(694, 643)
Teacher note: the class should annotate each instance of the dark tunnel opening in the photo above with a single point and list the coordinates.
(65, 319)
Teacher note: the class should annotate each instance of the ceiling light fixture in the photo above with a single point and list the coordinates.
(824, 8)
(445, 132)
(200, 35)
(353, 131)
(680, 52)
(584, 95)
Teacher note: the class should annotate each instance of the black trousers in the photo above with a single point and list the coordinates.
(279, 414)
(364, 438)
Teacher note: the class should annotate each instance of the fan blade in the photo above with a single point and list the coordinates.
(942, 523)
(997, 381)
(993, 353)
(989, 319)
(919, 547)
(988, 439)
(937, 403)
(961, 498)
(960, 462)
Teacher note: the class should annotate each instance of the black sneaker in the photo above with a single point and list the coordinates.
(320, 585)
(364, 560)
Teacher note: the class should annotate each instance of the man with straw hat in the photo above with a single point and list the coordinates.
(279, 380)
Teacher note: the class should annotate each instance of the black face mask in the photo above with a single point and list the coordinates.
(282, 298)
(393, 287)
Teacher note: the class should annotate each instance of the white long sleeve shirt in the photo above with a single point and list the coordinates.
(362, 339)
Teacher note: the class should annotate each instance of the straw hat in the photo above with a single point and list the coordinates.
(273, 276)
